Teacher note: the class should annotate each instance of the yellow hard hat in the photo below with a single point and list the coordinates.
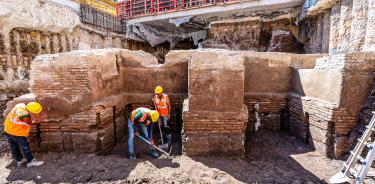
(158, 90)
(154, 116)
(34, 107)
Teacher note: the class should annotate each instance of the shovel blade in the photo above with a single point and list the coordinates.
(339, 178)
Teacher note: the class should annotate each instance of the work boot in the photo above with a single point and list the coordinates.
(153, 153)
(132, 156)
(20, 163)
(35, 163)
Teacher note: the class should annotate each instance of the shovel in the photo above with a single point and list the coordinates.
(161, 135)
(157, 148)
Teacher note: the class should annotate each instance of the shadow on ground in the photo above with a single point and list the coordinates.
(81, 168)
(271, 157)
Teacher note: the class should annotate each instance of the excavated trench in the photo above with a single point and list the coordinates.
(224, 103)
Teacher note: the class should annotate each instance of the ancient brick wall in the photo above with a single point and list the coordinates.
(315, 33)
(343, 26)
(234, 36)
(310, 119)
(25, 44)
(325, 116)
(87, 94)
(271, 96)
(254, 35)
(351, 29)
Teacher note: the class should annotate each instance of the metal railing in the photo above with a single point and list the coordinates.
(129, 9)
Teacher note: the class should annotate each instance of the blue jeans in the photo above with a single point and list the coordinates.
(17, 142)
(167, 134)
(146, 132)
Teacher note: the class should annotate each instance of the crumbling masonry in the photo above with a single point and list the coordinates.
(221, 96)
(88, 91)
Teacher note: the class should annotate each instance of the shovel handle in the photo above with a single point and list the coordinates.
(149, 143)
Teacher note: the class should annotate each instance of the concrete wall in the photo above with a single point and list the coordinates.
(312, 83)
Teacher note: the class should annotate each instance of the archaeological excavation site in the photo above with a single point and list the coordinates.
(187, 91)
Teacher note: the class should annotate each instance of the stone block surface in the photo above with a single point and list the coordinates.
(214, 114)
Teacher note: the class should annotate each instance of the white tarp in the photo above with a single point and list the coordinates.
(178, 21)
(154, 36)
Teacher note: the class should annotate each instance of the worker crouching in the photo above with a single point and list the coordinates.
(141, 119)
(17, 127)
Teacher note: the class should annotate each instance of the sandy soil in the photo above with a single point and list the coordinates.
(272, 157)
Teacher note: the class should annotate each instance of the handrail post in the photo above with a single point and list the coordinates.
(158, 6)
(145, 7)
(131, 8)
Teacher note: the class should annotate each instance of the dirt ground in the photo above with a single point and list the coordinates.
(271, 157)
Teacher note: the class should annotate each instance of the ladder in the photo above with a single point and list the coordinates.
(355, 157)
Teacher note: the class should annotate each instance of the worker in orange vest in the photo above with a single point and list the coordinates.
(141, 119)
(162, 104)
(17, 126)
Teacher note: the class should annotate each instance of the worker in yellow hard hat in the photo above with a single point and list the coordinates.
(141, 118)
(162, 104)
(17, 126)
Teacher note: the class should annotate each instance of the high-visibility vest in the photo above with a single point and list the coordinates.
(145, 113)
(13, 125)
(162, 104)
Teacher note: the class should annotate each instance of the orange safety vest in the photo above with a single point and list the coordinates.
(162, 104)
(13, 125)
(145, 113)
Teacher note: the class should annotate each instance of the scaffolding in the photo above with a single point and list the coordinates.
(101, 20)
(108, 6)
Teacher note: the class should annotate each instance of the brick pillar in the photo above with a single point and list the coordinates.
(48, 44)
(38, 41)
(17, 47)
(214, 115)
(70, 42)
(63, 42)
(55, 44)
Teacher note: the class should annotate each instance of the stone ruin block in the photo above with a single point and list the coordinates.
(214, 114)
(91, 131)
(84, 95)
(325, 101)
